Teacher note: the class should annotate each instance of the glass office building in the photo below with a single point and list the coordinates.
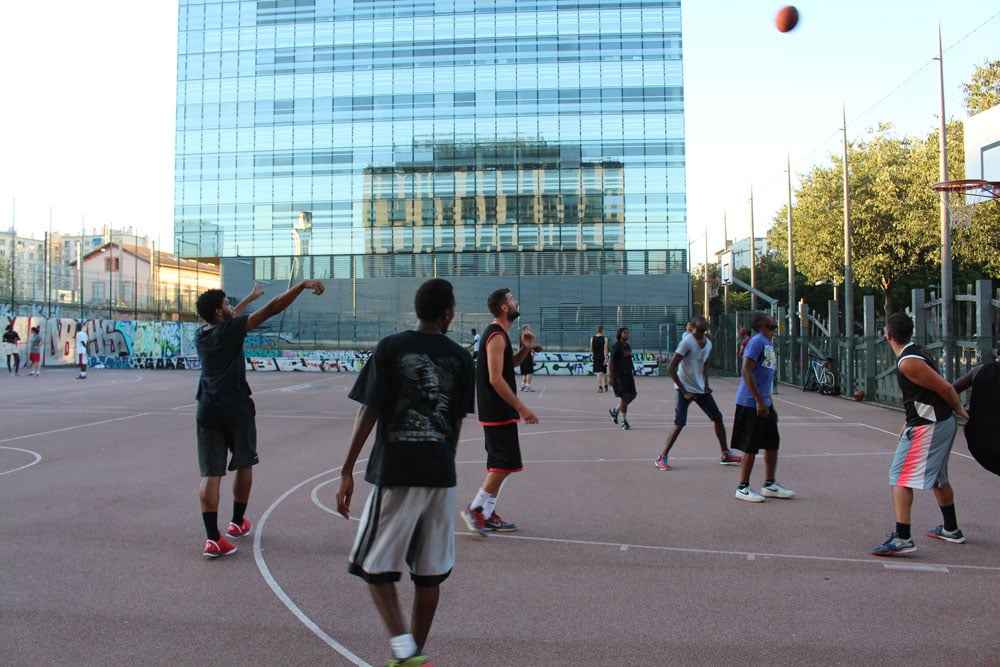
(530, 144)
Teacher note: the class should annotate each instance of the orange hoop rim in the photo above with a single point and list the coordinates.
(989, 189)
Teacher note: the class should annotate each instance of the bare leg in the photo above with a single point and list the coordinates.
(425, 602)
(493, 482)
(902, 500)
(770, 463)
(671, 439)
(208, 493)
(242, 483)
(387, 603)
(945, 495)
(720, 433)
(746, 467)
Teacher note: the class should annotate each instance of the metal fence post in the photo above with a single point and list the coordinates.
(871, 336)
(984, 319)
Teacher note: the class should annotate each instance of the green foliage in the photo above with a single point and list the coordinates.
(983, 92)
(895, 217)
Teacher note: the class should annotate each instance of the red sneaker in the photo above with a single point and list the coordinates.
(730, 459)
(222, 547)
(238, 530)
(474, 521)
(498, 525)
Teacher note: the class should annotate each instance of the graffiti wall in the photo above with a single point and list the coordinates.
(170, 345)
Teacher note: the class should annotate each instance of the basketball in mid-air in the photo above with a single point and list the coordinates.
(786, 19)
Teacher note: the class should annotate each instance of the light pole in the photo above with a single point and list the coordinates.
(848, 275)
(946, 288)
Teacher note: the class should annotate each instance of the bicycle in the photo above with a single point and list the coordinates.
(821, 377)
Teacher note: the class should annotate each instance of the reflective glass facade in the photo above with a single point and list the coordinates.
(376, 139)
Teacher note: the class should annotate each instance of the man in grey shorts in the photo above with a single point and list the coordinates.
(416, 387)
(225, 413)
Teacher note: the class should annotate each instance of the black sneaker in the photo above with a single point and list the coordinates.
(626, 426)
(614, 414)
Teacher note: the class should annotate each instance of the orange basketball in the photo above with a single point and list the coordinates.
(787, 18)
(859, 395)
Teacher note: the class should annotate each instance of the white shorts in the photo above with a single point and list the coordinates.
(410, 527)
(9, 348)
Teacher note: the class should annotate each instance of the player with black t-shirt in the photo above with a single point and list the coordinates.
(416, 387)
(225, 413)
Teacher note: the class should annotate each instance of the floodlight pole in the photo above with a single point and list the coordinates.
(946, 287)
(848, 270)
(793, 320)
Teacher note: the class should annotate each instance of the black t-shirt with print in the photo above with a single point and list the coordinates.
(422, 385)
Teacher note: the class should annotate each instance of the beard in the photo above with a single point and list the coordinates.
(513, 315)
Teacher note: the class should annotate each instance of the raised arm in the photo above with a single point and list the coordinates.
(256, 293)
(282, 301)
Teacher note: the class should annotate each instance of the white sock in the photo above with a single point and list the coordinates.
(480, 500)
(403, 646)
(488, 506)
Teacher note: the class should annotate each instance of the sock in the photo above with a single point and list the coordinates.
(211, 520)
(768, 482)
(479, 500)
(239, 509)
(488, 506)
(743, 485)
(903, 531)
(403, 646)
(950, 522)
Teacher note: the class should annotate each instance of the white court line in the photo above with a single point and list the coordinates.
(806, 407)
(38, 457)
(73, 428)
(258, 556)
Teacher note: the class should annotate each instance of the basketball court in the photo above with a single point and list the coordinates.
(615, 562)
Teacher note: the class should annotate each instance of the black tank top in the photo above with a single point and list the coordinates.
(923, 406)
(597, 346)
(493, 410)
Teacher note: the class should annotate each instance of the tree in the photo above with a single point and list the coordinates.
(894, 213)
(983, 92)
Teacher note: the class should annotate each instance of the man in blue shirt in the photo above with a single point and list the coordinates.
(755, 426)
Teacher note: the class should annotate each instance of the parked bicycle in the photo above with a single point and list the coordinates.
(821, 377)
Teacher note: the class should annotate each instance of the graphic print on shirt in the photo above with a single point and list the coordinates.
(421, 413)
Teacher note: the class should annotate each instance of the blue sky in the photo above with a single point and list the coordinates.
(90, 135)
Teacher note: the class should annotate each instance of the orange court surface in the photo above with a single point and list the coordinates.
(615, 562)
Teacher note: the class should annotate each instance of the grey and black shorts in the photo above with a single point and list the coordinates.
(410, 527)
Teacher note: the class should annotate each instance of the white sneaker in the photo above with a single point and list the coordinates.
(775, 490)
(749, 495)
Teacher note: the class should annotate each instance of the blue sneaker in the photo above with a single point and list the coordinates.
(955, 536)
(894, 546)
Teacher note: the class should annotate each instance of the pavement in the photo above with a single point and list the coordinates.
(615, 562)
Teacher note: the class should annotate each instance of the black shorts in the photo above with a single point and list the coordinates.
(527, 367)
(224, 428)
(752, 433)
(625, 387)
(600, 364)
(503, 451)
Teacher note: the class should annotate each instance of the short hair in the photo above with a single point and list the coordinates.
(208, 302)
(79, 326)
(618, 336)
(600, 328)
(497, 299)
(36, 329)
(433, 298)
(900, 326)
(758, 318)
(473, 331)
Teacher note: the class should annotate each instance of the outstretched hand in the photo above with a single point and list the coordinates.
(257, 292)
(315, 285)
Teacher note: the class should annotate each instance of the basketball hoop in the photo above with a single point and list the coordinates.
(963, 195)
